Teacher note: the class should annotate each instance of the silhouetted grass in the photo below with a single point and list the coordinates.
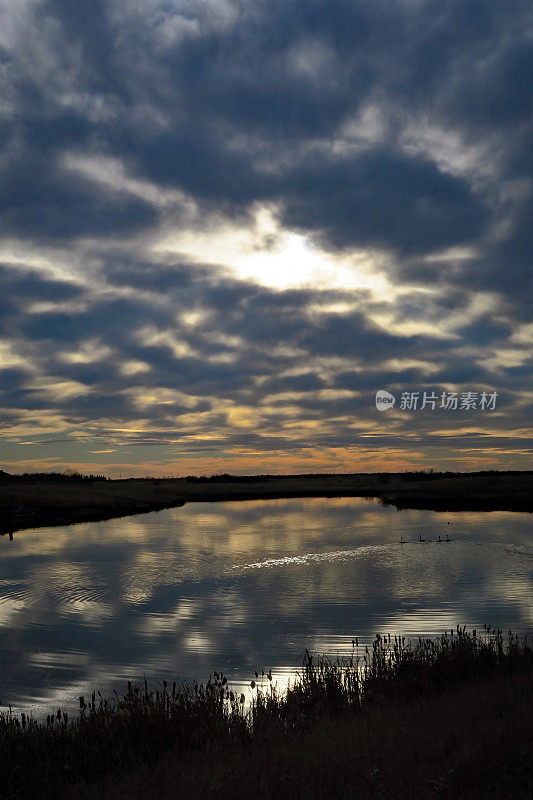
(472, 741)
(392, 670)
(108, 736)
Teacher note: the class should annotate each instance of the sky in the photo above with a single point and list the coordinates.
(225, 225)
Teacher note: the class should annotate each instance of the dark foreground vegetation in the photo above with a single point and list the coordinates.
(32, 500)
(450, 718)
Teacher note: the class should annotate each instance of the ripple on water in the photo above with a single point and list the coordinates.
(245, 587)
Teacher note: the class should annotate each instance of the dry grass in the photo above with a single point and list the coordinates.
(339, 724)
(470, 742)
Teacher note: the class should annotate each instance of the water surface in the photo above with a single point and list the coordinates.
(241, 586)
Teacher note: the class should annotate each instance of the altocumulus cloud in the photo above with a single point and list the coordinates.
(223, 226)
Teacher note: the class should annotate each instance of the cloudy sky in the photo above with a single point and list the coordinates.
(225, 224)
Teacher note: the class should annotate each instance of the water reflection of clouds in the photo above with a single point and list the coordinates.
(409, 624)
(517, 593)
(64, 659)
(241, 586)
(11, 610)
(153, 624)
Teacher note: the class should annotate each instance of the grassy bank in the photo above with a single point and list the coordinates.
(471, 742)
(429, 720)
(38, 500)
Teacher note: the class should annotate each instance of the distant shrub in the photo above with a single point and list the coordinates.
(69, 475)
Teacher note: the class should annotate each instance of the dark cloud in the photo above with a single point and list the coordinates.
(383, 200)
(39, 201)
(25, 285)
(397, 127)
(307, 346)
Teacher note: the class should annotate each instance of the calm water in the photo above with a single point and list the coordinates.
(244, 586)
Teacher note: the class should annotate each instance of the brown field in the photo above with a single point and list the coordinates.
(31, 501)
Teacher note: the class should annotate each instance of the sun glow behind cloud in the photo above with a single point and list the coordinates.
(225, 229)
(266, 254)
(258, 250)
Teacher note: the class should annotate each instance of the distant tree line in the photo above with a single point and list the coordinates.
(71, 475)
(68, 475)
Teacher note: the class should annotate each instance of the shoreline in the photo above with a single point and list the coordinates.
(35, 501)
(412, 750)
(393, 720)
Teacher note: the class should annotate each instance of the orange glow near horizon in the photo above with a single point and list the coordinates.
(314, 460)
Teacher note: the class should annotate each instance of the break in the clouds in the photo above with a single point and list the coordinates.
(225, 225)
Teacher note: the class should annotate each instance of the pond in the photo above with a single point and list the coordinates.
(245, 586)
